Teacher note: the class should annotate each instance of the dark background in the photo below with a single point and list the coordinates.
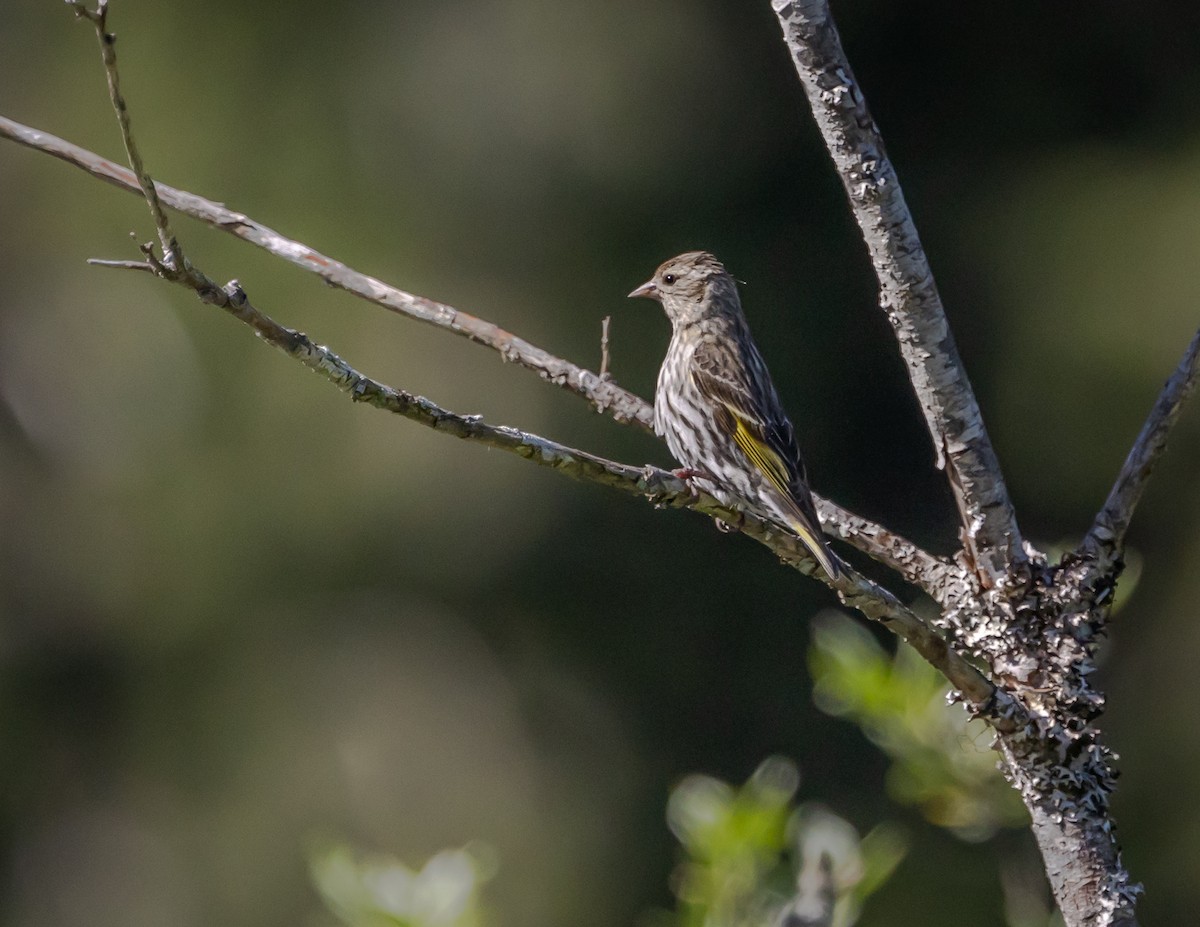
(238, 612)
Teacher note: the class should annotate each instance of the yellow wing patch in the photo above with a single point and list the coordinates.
(762, 457)
(774, 468)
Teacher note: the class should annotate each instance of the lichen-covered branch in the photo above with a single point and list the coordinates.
(1106, 539)
(932, 574)
(907, 291)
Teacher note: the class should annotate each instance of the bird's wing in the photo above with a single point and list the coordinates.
(759, 426)
(756, 421)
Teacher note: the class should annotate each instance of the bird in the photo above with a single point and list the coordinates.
(717, 408)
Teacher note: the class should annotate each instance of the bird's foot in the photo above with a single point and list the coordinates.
(659, 489)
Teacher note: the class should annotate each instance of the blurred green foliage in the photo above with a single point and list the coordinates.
(383, 892)
(745, 848)
(733, 840)
(941, 761)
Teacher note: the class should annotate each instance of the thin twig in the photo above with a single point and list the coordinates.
(1106, 539)
(907, 291)
(123, 265)
(108, 52)
(874, 540)
(604, 372)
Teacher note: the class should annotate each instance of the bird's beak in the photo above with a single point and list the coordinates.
(647, 290)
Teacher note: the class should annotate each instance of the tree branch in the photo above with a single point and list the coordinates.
(603, 394)
(907, 291)
(1037, 629)
(108, 52)
(662, 488)
(1106, 539)
(932, 574)
(917, 566)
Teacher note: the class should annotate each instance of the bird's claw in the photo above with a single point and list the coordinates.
(732, 527)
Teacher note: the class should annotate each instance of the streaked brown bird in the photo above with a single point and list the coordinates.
(718, 409)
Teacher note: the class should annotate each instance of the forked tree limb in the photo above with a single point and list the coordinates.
(924, 570)
(1035, 628)
(1106, 539)
(908, 294)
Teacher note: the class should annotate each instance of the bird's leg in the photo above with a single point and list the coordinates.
(687, 474)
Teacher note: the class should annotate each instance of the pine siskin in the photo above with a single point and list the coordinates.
(718, 409)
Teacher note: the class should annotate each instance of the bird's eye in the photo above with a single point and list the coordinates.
(668, 279)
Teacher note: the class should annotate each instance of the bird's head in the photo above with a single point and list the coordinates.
(691, 287)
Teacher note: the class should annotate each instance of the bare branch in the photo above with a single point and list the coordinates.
(661, 487)
(604, 395)
(124, 265)
(873, 540)
(907, 291)
(1106, 539)
(108, 52)
(926, 571)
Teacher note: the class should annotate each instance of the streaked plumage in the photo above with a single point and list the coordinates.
(718, 409)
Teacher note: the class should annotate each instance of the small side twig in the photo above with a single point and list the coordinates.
(1106, 539)
(172, 253)
(124, 265)
(604, 358)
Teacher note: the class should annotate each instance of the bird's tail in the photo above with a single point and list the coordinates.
(815, 542)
